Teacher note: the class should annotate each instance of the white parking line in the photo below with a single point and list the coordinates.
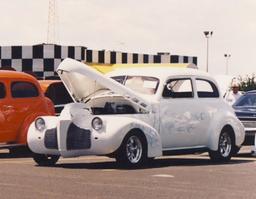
(163, 176)
(108, 170)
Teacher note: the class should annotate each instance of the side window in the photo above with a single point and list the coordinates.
(178, 88)
(2, 91)
(206, 89)
(23, 90)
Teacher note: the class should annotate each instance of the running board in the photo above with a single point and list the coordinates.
(185, 151)
(10, 146)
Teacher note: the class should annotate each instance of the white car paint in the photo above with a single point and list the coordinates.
(168, 124)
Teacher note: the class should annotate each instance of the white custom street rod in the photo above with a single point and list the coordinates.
(136, 114)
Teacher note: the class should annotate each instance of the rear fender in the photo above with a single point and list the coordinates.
(49, 106)
(217, 127)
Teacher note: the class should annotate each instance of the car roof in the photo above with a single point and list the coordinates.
(159, 72)
(46, 83)
(8, 74)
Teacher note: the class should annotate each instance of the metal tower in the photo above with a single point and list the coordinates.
(51, 31)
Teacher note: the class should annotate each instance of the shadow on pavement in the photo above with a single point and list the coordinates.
(18, 154)
(245, 155)
(157, 163)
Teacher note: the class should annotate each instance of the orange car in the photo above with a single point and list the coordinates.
(21, 101)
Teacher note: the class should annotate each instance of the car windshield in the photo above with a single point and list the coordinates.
(248, 99)
(140, 84)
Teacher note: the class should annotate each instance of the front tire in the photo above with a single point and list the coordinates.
(133, 151)
(45, 160)
(225, 148)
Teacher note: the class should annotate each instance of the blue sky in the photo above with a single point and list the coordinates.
(143, 26)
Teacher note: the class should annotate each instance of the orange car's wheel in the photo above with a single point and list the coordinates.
(24, 150)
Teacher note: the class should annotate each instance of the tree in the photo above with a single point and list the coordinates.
(248, 83)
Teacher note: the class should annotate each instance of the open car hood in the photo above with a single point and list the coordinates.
(82, 82)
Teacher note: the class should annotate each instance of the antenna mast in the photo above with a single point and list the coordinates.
(51, 22)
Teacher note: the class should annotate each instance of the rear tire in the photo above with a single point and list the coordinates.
(133, 151)
(225, 148)
(45, 160)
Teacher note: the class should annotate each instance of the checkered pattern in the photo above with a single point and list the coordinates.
(113, 57)
(43, 59)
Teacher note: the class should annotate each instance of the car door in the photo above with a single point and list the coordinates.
(181, 114)
(5, 112)
(24, 100)
(208, 97)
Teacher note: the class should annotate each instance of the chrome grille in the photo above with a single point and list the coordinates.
(78, 138)
(50, 139)
(249, 124)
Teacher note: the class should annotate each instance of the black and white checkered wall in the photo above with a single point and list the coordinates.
(113, 57)
(43, 59)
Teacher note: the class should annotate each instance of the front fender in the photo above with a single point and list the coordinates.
(110, 137)
(127, 124)
(35, 138)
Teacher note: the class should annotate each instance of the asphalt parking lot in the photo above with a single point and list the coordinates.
(189, 176)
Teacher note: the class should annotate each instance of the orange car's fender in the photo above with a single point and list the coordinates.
(50, 106)
(22, 136)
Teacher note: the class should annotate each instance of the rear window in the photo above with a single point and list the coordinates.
(23, 90)
(2, 91)
(206, 89)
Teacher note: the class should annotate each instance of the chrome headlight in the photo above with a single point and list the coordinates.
(40, 124)
(97, 123)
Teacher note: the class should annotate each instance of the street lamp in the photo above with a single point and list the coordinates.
(227, 56)
(208, 34)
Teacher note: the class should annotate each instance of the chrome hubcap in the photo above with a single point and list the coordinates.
(225, 144)
(134, 149)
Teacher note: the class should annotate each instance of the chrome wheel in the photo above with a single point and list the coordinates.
(226, 147)
(225, 144)
(134, 149)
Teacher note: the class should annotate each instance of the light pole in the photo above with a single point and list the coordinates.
(227, 56)
(208, 34)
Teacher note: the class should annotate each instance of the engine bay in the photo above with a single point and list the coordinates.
(112, 105)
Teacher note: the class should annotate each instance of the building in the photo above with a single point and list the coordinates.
(43, 59)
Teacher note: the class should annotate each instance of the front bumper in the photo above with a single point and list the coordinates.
(249, 136)
(250, 129)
